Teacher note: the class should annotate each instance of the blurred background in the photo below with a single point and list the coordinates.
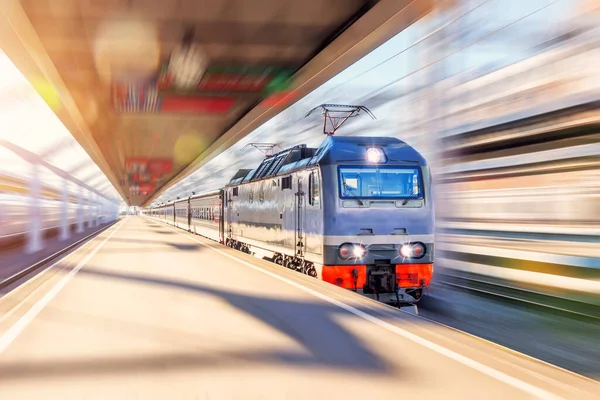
(49, 186)
(501, 96)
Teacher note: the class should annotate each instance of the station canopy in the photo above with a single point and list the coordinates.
(153, 88)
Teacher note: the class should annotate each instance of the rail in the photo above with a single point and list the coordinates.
(546, 302)
(37, 265)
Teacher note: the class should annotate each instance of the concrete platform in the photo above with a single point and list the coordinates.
(145, 310)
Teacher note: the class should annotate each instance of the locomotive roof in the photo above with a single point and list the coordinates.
(340, 149)
(333, 150)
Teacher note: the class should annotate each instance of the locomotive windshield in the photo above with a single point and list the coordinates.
(380, 182)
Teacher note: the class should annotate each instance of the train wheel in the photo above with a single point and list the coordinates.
(311, 270)
(291, 264)
(305, 267)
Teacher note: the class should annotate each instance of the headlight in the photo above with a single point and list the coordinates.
(349, 251)
(412, 250)
(375, 155)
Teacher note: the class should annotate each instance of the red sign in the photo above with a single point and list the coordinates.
(134, 165)
(142, 178)
(197, 104)
(234, 82)
(146, 187)
(142, 188)
(160, 166)
(144, 169)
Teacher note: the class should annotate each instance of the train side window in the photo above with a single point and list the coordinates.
(286, 183)
(235, 191)
(314, 189)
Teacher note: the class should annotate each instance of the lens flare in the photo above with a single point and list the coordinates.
(358, 251)
(47, 92)
(187, 147)
(406, 251)
(375, 155)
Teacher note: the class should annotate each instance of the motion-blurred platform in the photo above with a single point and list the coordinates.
(148, 310)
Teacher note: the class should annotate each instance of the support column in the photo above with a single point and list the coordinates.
(89, 210)
(95, 209)
(64, 212)
(34, 231)
(80, 210)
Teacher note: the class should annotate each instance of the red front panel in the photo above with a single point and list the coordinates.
(413, 275)
(341, 275)
(407, 275)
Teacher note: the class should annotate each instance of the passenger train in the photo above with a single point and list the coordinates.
(356, 212)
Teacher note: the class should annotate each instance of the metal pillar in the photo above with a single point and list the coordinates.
(96, 210)
(80, 210)
(34, 231)
(64, 212)
(101, 207)
(88, 210)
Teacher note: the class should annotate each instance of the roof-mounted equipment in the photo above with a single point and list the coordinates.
(265, 148)
(337, 115)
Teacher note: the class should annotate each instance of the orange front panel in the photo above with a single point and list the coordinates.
(341, 275)
(413, 275)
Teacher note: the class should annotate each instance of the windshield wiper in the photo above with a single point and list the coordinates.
(346, 187)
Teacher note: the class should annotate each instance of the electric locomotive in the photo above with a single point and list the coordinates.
(356, 212)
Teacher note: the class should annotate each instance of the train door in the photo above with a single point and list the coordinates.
(300, 211)
(174, 215)
(222, 202)
(229, 207)
(189, 215)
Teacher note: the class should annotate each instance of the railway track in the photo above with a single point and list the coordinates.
(37, 265)
(545, 302)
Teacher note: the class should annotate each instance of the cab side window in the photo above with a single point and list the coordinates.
(314, 189)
